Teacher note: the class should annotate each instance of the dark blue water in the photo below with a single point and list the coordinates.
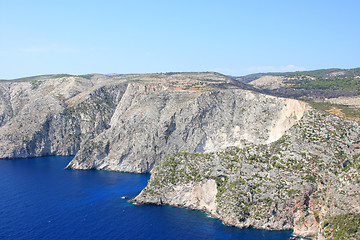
(41, 200)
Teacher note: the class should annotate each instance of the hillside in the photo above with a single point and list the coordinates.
(300, 182)
(333, 90)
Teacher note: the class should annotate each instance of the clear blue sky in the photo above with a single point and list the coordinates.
(138, 36)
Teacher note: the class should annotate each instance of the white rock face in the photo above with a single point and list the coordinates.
(49, 115)
(151, 122)
(127, 123)
(196, 195)
(287, 117)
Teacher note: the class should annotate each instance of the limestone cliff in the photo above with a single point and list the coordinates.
(212, 144)
(54, 115)
(300, 182)
(151, 122)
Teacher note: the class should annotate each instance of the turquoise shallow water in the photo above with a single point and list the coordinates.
(41, 200)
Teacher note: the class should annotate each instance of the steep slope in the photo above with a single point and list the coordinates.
(128, 122)
(54, 115)
(61, 114)
(299, 182)
(151, 122)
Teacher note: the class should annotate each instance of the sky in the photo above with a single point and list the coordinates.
(234, 37)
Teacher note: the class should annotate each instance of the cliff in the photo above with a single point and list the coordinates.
(61, 114)
(211, 143)
(54, 115)
(300, 182)
(151, 122)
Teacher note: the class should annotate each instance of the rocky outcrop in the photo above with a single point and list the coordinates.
(193, 195)
(298, 182)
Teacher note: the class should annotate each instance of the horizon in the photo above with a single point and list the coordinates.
(234, 38)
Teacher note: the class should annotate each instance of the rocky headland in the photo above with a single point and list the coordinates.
(211, 143)
(300, 182)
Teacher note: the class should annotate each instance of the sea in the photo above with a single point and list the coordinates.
(39, 199)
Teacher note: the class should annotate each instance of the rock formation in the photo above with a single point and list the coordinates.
(298, 182)
(211, 143)
(151, 122)
(54, 115)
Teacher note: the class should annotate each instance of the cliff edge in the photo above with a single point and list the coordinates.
(307, 181)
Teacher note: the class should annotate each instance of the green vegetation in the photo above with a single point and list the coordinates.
(35, 84)
(322, 106)
(337, 109)
(344, 226)
(310, 178)
(326, 84)
(87, 76)
(27, 79)
(350, 112)
(301, 75)
(60, 75)
(254, 180)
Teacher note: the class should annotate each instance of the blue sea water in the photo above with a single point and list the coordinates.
(41, 200)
